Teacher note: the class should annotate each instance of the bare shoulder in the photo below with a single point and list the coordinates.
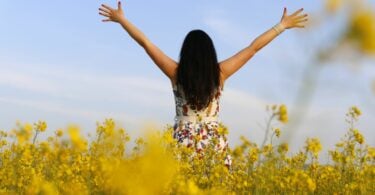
(223, 71)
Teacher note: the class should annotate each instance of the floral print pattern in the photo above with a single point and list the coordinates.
(195, 128)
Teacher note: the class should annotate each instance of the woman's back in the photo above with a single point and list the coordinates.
(191, 123)
(185, 110)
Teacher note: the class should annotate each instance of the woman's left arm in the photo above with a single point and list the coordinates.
(165, 63)
(234, 63)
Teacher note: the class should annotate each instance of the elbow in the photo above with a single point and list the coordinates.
(144, 44)
(147, 45)
(254, 50)
(257, 48)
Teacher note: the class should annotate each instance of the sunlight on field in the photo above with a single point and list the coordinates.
(68, 163)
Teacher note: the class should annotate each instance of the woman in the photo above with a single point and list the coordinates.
(198, 78)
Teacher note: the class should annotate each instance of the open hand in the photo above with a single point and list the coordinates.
(114, 15)
(293, 20)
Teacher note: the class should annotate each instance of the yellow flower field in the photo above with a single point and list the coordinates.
(67, 163)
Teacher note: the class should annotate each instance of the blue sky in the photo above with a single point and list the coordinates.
(60, 63)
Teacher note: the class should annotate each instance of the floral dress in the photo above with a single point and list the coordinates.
(190, 123)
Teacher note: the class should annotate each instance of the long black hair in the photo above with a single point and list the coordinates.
(198, 71)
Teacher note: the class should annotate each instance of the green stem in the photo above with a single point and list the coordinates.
(267, 130)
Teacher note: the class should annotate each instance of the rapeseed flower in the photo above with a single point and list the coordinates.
(158, 164)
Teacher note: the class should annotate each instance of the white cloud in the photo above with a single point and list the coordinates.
(26, 81)
(64, 110)
(98, 87)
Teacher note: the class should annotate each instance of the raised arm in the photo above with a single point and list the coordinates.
(165, 63)
(232, 64)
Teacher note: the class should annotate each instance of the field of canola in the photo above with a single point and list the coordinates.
(68, 163)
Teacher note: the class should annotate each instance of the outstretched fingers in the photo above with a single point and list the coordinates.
(119, 5)
(107, 7)
(285, 12)
(300, 26)
(297, 12)
(104, 10)
(106, 20)
(301, 16)
(294, 20)
(112, 14)
(300, 23)
(303, 20)
(299, 19)
(104, 14)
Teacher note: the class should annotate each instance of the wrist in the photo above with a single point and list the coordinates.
(121, 20)
(279, 28)
(282, 26)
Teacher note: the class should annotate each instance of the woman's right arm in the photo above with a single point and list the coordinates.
(164, 62)
(234, 63)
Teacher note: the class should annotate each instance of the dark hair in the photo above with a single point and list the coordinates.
(198, 71)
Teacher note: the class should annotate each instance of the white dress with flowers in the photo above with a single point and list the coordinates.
(195, 128)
